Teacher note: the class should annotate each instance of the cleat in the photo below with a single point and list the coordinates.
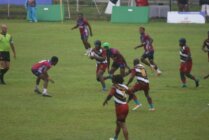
(152, 109)
(46, 95)
(112, 139)
(37, 91)
(184, 86)
(197, 83)
(136, 107)
(159, 72)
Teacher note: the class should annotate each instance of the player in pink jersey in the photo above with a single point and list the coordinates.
(118, 60)
(142, 84)
(40, 70)
(119, 91)
(186, 63)
(146, 42)
(99, 54)
(85, 30)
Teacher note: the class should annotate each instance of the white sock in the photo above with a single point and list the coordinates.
(44, 91)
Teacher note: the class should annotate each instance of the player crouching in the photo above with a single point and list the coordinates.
(40, 70)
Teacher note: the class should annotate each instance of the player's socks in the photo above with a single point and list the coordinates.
(136, 101)
(184, 85)
(151, 105)
(197, 83)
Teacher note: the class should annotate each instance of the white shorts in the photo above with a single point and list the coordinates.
(205, 9)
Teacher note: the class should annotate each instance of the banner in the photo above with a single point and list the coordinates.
(22, 2)
(110, 5)
(185, 17)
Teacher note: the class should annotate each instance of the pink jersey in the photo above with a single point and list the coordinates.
(146, 40)
(83, 26)
(116, 56)
(42, 65)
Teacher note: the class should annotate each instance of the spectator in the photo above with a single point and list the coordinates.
(205, 6)
(141, 2)
(183, 5)
(30, 5)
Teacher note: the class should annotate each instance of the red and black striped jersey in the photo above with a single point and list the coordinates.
(119, 92)
(185, 54)
(140, 73)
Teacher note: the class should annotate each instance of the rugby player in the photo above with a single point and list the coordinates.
(85, 30)
(99, 54)
(146, 42)
(186, 63)
(142, 84)
(40, 70)
(119, 91)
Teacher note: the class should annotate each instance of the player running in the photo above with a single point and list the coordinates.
(117, 58)
(146, 42)
(6, 42)
(205, 46)
(85, 30)
(186, 63)
(142, 84)
(40, 70)
(99, 54)
(119, 92)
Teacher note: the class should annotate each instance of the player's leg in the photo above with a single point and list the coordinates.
(149, 99)
(114, 67)
(189, 75)
(182, 70)
(44, 77)
(101, 79)
(133, 90)
(143, 60)
(84, 38)
(125, 130)
(122, 71)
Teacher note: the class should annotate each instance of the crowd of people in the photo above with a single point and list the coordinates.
(103, 53)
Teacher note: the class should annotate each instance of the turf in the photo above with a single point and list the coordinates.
(75, 111)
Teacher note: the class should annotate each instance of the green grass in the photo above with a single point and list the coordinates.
(75, 111)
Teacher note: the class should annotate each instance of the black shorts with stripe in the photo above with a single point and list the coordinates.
(4, 56)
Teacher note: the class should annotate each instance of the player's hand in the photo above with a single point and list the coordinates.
(104, 103)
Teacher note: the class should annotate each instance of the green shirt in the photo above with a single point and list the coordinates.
(5, 42)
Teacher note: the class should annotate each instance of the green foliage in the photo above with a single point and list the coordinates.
(75, 111)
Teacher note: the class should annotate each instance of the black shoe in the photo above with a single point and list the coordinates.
(37, 91)
(46, 95)
(197, 83)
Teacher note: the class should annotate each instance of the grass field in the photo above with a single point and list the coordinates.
(75, 111)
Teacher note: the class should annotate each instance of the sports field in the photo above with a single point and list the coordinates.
(75, 111)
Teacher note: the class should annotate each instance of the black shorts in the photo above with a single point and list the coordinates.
(118, 65)
(4, 56)
(36, 72)
(149, 55)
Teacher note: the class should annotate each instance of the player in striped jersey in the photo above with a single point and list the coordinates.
(186, 63)
(119, 92)
(146, 42)
(99, 54)
(205, 46)
(40, 70)
(142, 84)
